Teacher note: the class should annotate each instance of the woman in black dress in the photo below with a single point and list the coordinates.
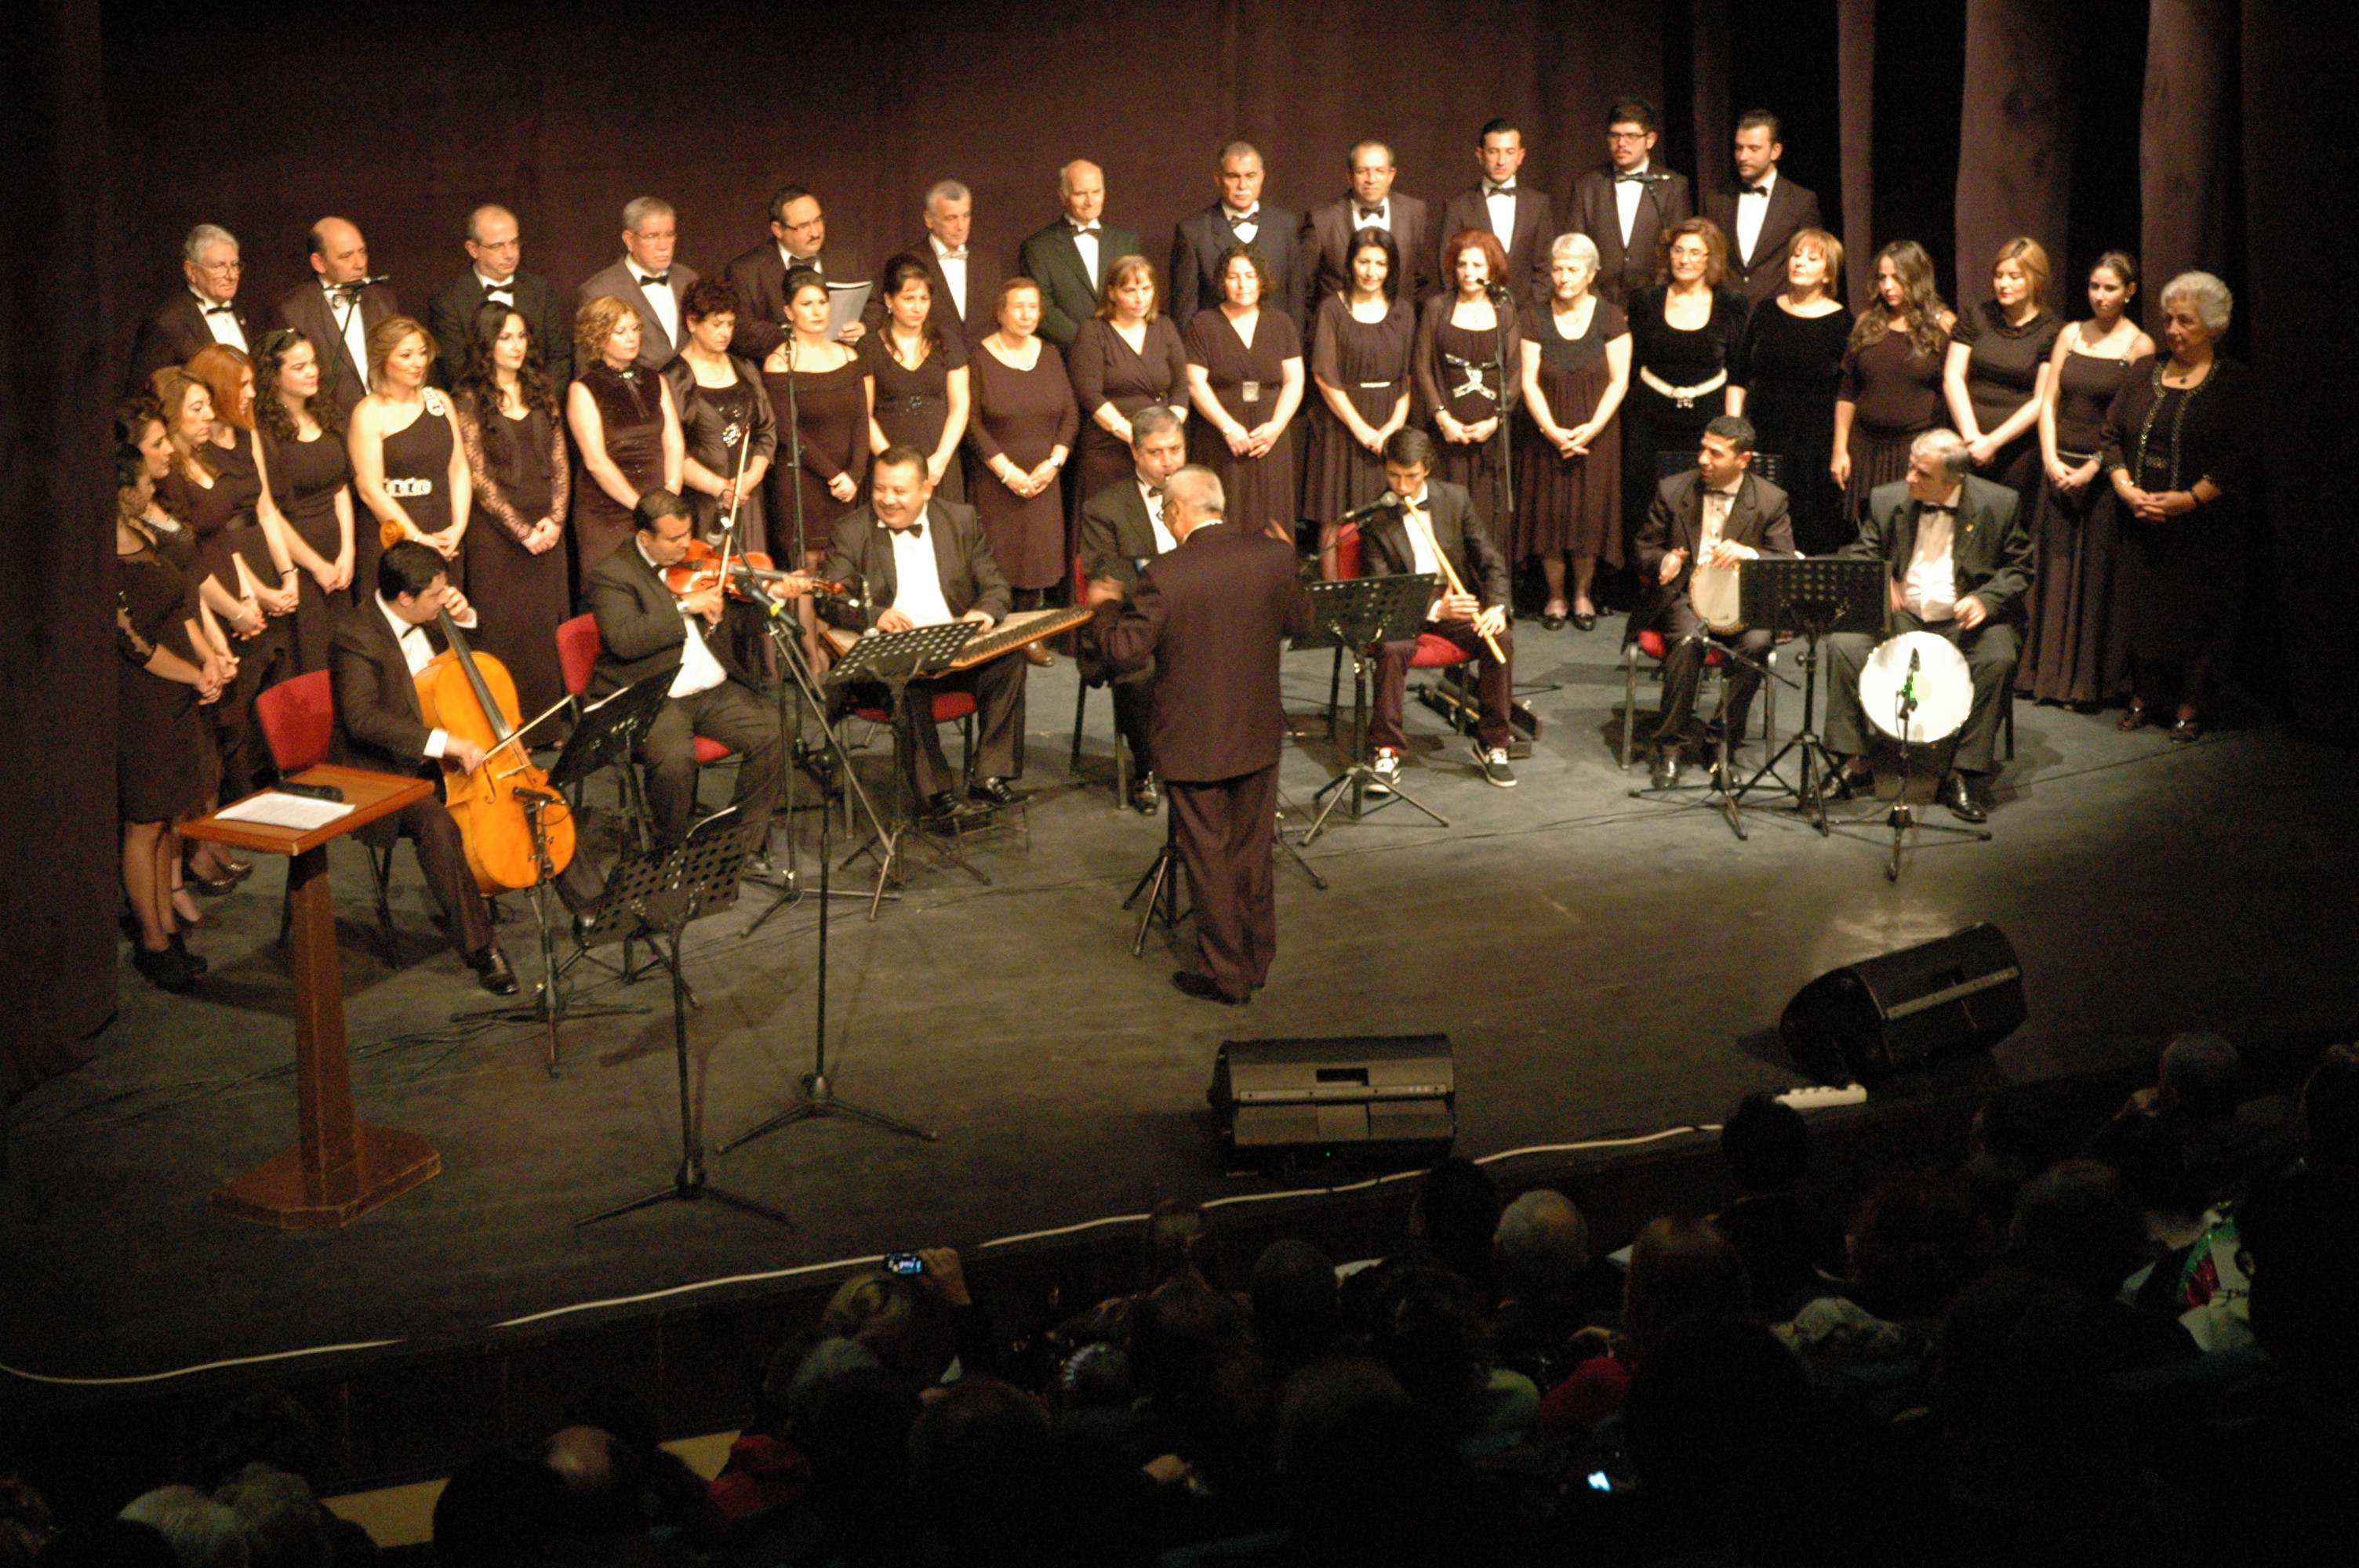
(1576, 374)
(725, 414)
(1788, 365)
(160, 748)
(1997, 372)
(823, 389)
(2178, 448)
(1025, 422)
(406, 462)
(625, 427)
(2076, 524)
(515, 553)
(310, 480)
(1360, 350)
(1245, 378)
(923, 386)
(1463, 338)
(1890, 391)
(1125, 358)
(1683, 334)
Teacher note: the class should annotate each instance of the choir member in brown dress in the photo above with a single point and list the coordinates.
(517, 574)
(303, 435)
(1360, 347)
(725, 412)
(406, 462)
(1126, 357)
(1684, 329)
(924, 387)
(822, 389)
(1469, 357)
(1576, 372)
(1783, 381)
(1891, 393)
(625, 427)
(2076, 524)
(160, 748)
(1025, 422)
(2178, 448)
(1245, 378)
(1997, 372)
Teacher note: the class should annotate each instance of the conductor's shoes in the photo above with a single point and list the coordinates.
(994, 792)
(1191, 984)
(491, 973)
(1966, 801)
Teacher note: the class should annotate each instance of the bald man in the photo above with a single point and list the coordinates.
(495, 245)
(337, 309)
(1071, 257)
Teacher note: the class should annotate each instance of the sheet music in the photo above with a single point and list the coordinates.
(845, 301)
(272, 809)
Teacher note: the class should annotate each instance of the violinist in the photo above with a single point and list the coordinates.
(645, 629)
(379, 646)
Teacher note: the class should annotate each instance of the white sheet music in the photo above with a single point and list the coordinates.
(845, 301)
(272, 809)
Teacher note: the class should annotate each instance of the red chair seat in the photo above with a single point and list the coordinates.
(577, 652)
(710, 751)
(1652, 644)
(298, 716)
(1435, 653)
(948, 705)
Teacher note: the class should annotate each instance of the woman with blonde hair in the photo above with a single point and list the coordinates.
(1784, 377)
(1997, 373)
(624, 424)
(407, 461)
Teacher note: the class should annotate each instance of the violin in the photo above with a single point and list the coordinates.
(473, 695)
(702, 566)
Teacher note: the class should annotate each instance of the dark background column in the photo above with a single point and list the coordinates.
(2019, 122)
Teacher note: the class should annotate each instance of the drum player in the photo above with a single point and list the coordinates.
(1701, 524)
(1959, 560)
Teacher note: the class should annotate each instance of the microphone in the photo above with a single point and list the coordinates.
(1388, 501)
(1908, 687)
(356, 284)
(1496, 292)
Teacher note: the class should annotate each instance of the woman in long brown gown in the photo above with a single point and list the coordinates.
(1125, 358)
(822, 389)
(311, 481)
(1025, 422)
(1361, 346)
(727, 427)
(1576, 371)
(1997, 369)
(1245, 378)
(1463, 339)
(1891, 393)
(2075, 526)
(517, 573)
(625, 427)
(924, 389)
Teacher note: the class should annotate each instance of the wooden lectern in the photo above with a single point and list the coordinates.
(340, 1168)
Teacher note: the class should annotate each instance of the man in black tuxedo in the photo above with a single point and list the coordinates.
(373, 656)
(496, 246)
(339, 309)
(926, 562)
(207, 311)
(963, 276)
(1625, 206)
(1522, 216)
(797, 239)
(1371, 203)
(1715, 515)
(1212, 616)
(1237, 218)
(1959, 557)
(1424, 522)
(647, 279)
(1071, 257)
(1761, 211)
(644, 629)
(1122, 528)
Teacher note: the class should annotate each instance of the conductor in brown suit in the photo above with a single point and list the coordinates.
(1213, 614)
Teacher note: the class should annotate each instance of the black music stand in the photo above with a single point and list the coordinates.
(1717, 792)
(1811, 598)
(1362, 614)
(893, 660)
(656, 894)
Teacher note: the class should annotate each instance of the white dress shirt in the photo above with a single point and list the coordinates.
(918, 577)
(698, 670)
(1750, 211)
(1627, 194)
(1247, 224)
(1086, 242)
(417, 652)
(662, 300)
(1425, 555)
(1717, 505)
(1164, 542)
(344, 310)
(1501, 202)
(953, 272)
(220, 318)
(1383, 219)
(1930, 591)
(808, 262)
(504, 292)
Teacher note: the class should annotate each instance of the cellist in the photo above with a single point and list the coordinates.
(374, 658)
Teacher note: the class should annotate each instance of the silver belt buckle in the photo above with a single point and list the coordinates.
(1250, 390)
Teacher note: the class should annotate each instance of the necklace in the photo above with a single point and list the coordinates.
(2178, 420)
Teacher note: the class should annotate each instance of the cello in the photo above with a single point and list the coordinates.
(473, 695)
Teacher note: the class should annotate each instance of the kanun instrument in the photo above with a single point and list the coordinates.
(1020, 629)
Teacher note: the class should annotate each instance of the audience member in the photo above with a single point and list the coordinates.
(1297, 1311)
(1455, 1219)
(1679, 1269)
(2194, 1139)
(1549, 1289)
(2329, 1111)
(201, 1532)
(2077, 1223)
(284, 1528)
(499, 1510)
(1791, 1248)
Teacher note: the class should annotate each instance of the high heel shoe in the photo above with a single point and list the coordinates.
(2186, 732)
(196, 961)
(2133, 717)
(168, 970)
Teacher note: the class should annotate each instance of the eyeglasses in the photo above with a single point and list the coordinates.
(219, 267)
(1628, 135)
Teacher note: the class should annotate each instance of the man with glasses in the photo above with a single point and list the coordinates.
(1626, 205)
(647, 280)
(797, 239)
(207, 311)
(496, 246)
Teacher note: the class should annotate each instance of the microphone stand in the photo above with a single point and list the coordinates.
(1502, 304)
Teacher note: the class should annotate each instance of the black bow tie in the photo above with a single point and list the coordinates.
(1371, 214)
(1926, 508)
(1637, 179)
(221, 309)
(1084, 228)
(492, 289)
(1490, 189)
(1755, 191)
(916, 530)
(1238, 219)
(656, 280)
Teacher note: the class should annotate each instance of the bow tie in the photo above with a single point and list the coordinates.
(916, 530)
(1755, 191)
(1371, 214)
(1926, 508)
(1490, 189)
(1637, 179)
(1084, 228)
(221, 309)
(655, 279)
(1237, 219)
(958, 254)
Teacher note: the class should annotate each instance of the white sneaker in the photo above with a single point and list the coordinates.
(1388, 766)
(1493, 760)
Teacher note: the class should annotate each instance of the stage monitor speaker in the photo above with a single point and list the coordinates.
(1865, 1020)
(1356, 1096)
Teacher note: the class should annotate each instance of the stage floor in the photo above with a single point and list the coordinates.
(1602, 965)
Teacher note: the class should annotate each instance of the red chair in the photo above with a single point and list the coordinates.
(1432, 653)
(1653, 644)
(298, 718)
(577, 646)
(1081, 707)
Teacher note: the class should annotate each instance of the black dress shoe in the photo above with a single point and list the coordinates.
(1144, 798)
(1963, 799)
(1585, 621)
(941, 812)
(1200, 987)
(1844, 785)
(1551, 621)
(168, 970)
(196, 962)
(994, 792)
(491, 973)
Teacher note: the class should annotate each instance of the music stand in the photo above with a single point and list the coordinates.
(656, 894)
(1716, 793)
(893, 660)
(1811, 598)
(1362, 614)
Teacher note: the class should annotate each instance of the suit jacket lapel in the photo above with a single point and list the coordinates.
(1135, 522)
